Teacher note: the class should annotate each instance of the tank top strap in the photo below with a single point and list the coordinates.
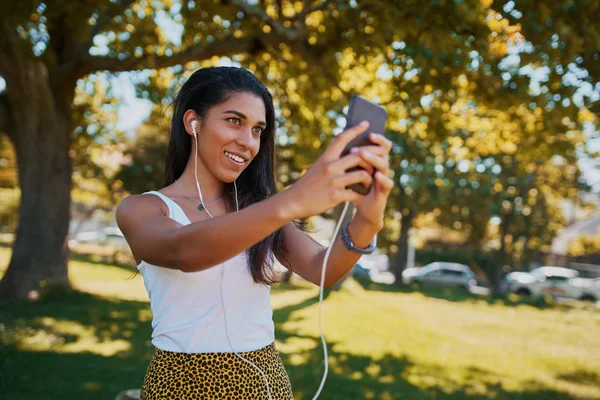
(175, 211)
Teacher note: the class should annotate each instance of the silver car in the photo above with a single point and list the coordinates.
(441, 274)
(554, 281)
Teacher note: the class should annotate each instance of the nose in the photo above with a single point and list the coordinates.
(245, 139)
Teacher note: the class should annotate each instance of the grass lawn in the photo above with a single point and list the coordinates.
(384, 343)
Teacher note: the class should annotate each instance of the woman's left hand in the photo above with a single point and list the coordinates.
(370, 208)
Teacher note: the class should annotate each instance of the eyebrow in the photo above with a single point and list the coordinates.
(242, 116)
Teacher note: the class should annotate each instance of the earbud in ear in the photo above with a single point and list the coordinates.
(194, 127)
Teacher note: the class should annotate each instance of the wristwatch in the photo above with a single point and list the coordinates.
(352, 247)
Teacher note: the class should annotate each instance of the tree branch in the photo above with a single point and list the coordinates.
(293, 36)
(313, 55)
(12, 54)
(105, 18)
(69, 71)
(226, 47)
(309, 10)
(290, 34)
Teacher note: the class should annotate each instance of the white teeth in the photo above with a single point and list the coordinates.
(234, 157)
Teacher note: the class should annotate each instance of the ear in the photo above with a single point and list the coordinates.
(188, 118)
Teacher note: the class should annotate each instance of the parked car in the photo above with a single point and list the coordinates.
(555, 281)
(108, 236)
(373, 274)
(441, 274)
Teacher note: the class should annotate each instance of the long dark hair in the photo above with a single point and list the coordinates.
(206, 88)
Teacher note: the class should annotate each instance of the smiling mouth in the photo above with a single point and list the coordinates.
(235, 159)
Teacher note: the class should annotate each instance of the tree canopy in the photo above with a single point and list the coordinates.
(467, 84)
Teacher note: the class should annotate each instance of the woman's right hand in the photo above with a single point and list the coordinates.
(323, 186)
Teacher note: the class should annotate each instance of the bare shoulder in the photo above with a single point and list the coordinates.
(145, 223)
(138, 207)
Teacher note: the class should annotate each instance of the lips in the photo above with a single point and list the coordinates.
(234, 163)
(236, 154)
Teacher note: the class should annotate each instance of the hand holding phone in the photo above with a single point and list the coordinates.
(361, 109)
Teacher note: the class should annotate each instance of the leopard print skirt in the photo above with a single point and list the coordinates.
(212, 376)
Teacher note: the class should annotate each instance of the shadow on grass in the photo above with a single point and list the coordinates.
(388, 379)
(50, 375)
(461, 295)
(99, 259)
(73, 319)
(582, 377)
(353, 376)
(292, 285)
(81, 374)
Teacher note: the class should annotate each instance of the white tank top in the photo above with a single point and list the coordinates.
(187, 313)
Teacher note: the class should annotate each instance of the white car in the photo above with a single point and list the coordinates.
(441, 274)
(555, 281)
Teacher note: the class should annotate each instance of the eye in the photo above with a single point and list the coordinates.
(259, 130)
(234, 120)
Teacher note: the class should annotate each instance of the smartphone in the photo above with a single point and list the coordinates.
(361, 109)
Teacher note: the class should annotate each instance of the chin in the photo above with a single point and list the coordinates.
(229, 177)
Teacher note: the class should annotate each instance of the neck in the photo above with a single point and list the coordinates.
(211, 187)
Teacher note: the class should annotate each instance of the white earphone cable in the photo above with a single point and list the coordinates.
(321, 285)
(196, 167)
(237, 206)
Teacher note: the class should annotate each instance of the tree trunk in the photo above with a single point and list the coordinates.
(40, 129)
(402, 255)
(527, 254)
(497, 276)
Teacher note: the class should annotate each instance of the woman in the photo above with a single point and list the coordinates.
(205, 242)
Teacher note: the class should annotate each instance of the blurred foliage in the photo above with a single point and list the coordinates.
(9, 209)
(9, 193)
(97, 145)
(584, 245)
(146, 157)
(8, 164)
(449, 90)
(490, 103)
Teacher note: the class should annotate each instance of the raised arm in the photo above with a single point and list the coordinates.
(306, 256)
(158, 240)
